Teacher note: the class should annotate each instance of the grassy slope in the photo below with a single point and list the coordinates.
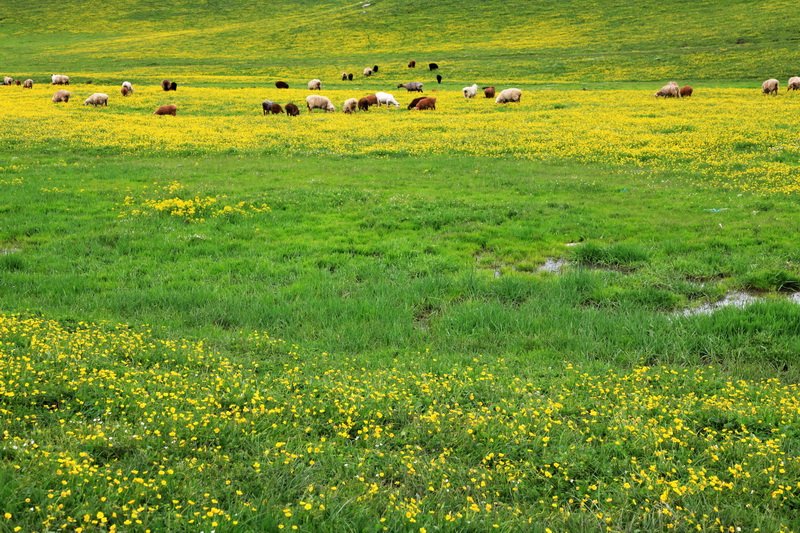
(529, 42)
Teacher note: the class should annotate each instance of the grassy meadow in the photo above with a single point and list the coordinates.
(475, 318)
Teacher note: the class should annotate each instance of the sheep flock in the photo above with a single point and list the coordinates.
(379, 98)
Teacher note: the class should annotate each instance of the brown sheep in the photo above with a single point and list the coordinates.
(488, 92)
(369, 100)
(165, 85)
(281, 85)
(166, 110)
(275, 108)
(686, 91)
(292, 110)
(415, 101)
(124, 90)
(426, 103)
(61, 96)
(412, 64)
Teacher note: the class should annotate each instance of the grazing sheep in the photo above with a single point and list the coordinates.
(415, 101)
(471, 91)
(18, 82)
(686, 91)
(412, 86)
(386, 98)
(124, 90)
(275, 108)
(8, 80)
(166, 110)
(266, 106)
(314, 85)
(350, 105)
(28, 84)
(488, 92)
(292, 110)
(375, 69)
(127, 85)
(97, 99)
(344, 76)
(770, 86)
(281, 85)
(508, 95)
(438, 78)
(793, 84)
(165, 85)
(365, 103)
(669, 90)
(314, 101)
(433, 66)
(173, 86)
(61, 96)
(367, 72)
(59, 79)
(350, 77)
(412, 64)
(426, 103)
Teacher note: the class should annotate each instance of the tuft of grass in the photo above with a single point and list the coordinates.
(620, 255)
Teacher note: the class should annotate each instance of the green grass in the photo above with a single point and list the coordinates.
(391, 255)
(421, 340)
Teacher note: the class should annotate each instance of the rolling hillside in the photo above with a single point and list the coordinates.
(529, 42)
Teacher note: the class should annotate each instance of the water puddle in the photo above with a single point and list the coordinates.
(735, 299)
(553, 266)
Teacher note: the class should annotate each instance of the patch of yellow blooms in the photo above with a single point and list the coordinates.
(140, 432)
(190, 208)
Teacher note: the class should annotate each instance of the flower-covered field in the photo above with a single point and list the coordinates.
(105, 427)
(724, 137)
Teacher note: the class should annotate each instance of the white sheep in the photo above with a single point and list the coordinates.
(368, 72)
(412, 86)
(793, 84)
(350, 105)
(508, 95)
(97, 99)
(315, 101)
(669, 90)
(128, 86)
(770, 86)
(28, 84)
(314, 85)
(60, 79)
(386, 98)
(471, 91)
(8, 80)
